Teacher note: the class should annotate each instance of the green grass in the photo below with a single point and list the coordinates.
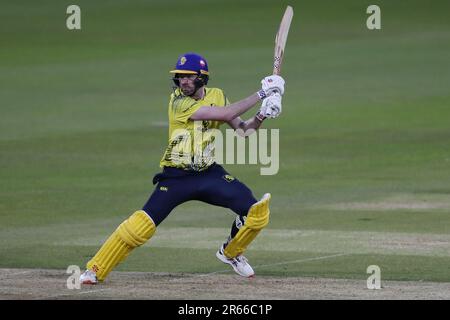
(364, 133)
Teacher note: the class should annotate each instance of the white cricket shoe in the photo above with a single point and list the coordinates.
(239, 264)
(88, 277)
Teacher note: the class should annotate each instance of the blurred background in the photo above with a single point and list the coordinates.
(364, 134)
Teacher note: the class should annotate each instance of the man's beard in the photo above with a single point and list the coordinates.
(188, 91)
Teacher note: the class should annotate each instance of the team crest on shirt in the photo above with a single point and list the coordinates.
(183, 60)
(228, 178)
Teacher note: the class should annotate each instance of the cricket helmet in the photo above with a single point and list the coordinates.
(192, 63)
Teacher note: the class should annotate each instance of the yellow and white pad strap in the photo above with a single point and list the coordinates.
(131, 233)
(257, 219)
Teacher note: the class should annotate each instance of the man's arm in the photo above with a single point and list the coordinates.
(248, 127)
(227, 113)
(270, 85)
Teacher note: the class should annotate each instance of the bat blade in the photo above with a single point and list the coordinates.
(281, 38)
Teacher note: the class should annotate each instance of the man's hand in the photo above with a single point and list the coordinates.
(271, 106)
(272, 84)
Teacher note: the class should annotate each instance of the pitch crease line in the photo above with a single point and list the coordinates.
(282, 263)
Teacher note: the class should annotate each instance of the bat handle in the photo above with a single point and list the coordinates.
(277, 65)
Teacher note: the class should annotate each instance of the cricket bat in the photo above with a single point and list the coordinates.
(281, 38)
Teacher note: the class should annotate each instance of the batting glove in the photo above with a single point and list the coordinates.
(272, 84)
(270, 107)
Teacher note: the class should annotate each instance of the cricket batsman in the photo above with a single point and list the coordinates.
(189, 174)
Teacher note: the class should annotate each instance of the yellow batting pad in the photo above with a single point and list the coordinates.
(131, 233)
(257, 219)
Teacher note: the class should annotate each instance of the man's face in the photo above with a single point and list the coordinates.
(187, 83)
